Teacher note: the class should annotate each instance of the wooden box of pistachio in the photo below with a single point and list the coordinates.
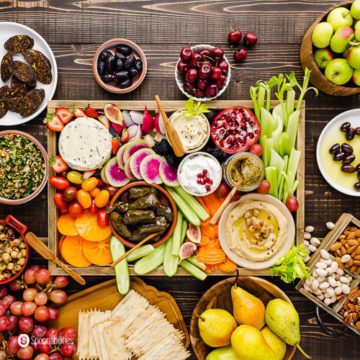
(335, 273)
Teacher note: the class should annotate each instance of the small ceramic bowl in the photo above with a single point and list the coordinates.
(137, 52)
(180, 78)
(169, 199)
(46, 162)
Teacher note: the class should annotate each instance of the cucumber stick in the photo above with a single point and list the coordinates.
(184, 207)
(193, 270)
(151, 261)
(193, 260)
(170, 261)
(183, 230)
(121, 269)
(177, 235)
(140, 252)
(193, 203)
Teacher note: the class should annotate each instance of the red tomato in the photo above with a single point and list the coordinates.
(59, 201)
(223, 190)
(75, 209)
(93, 209)
(59, 183)
(100, 183)
(112, 190)
(256, 149)
(292, 204)
(264, 187)
(102, 217)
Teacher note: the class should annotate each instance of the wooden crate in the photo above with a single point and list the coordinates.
(343, 221)
(169, 106)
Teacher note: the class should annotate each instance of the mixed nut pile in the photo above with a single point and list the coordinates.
(351, 309)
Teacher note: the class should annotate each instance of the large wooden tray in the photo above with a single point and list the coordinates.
(169, 106)
(105, 296)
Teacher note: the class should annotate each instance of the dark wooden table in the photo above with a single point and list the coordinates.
(75, 29)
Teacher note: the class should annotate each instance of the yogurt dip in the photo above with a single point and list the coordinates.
(199, 174)
(194, 133)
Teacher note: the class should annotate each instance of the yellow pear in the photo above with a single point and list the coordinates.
(276, 344)
(247, 308)
(250, 344)
(216, 327)
(223, 353)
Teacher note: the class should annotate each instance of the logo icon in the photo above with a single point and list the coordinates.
(23, 340)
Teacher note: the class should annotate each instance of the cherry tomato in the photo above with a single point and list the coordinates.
(264, 187)
(236, 197)
(89, 184)
(102, 217)
(102, 198)
(93, 209)
(59, 183)
(84, 198)
(70, 193)
(256, 149)
(59, 201)
(292, 203)
(94, 192)
(100, 183)
(74, 177)
(112, 190)
(75, 209)
(223, 190)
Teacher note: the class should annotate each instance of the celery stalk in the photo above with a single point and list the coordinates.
(292, 128)
(272, 176)
(290, 102)
(267, 123)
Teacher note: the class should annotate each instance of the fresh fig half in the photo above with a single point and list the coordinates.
(113, 113)
(193, 233)
(187, 249)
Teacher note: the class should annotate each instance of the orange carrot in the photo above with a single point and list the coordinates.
(227, 266)
(202, 203)
(209, 231)
(210, 255)
(212, 203)
(205, 240)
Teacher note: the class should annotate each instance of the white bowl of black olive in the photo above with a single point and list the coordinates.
(119, 66)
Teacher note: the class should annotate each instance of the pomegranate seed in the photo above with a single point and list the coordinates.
(208, 187)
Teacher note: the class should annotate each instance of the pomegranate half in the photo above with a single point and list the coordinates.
(235, 129)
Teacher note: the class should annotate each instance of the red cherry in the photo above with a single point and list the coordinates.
(224, 66)
(182, 66)
(250, 39)
(189, 88)
(205, 71)
(216, 74)
(195, 60)
(205, 53)
(240, 55)
(234, 36)
(185, 54)
(202, 84)
(211, 90)
(199, 93)
(191, 75)
(217, 52)
(221, 82)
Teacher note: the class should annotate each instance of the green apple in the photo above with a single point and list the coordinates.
(357, 31)
(322, 34)
(353, 57)
(341, 39)
(355, 9)
(339, 17)
(338, 71)
(356, 77)
(323, 57)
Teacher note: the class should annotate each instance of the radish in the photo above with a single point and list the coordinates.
(134, 132)
(127, 118)
(118, 128)
(159, 124)
(148, 122)
(136, 117)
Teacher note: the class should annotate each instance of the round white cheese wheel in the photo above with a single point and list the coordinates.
(85, 144)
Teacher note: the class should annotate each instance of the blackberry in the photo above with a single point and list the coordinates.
(218, 154)
(211, 115)
(163, 147)
(172, 160)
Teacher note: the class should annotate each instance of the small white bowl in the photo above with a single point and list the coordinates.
(256, 265)
(180, 78)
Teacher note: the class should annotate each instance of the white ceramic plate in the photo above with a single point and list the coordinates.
(353, 116)
(7, 30)
(258, 265)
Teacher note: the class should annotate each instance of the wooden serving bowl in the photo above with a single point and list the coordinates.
(318, 78)
(170, 200)
(219, 296)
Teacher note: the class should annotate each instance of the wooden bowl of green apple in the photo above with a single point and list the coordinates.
(331, 50)
(235, 310)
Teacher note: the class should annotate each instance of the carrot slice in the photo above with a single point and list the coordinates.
(210, 255)
(209, 231)
(89, 229)
(212, 203)
(211, 268)
(227, 266)
(66, 225)
(71, 250)
(98, 252)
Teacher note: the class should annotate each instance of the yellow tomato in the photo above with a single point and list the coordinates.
(84, 198)
(74, 177)
(94, 192)
(102, 198)
(89, 184)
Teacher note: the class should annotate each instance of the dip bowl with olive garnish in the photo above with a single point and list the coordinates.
(24, 167)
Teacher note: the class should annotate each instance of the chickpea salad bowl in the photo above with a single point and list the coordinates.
(23, 167)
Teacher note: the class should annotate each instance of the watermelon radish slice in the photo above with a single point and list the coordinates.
(136, 159)
(119, 156)
(102, 175)
(128, 172)
(150, 169)
(168, 174)
(132, 147)
(115, 176)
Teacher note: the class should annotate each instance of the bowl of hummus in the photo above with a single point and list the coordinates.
(193, 132)
(256, 230)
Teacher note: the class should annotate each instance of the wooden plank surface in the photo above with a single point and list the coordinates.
(74, 30)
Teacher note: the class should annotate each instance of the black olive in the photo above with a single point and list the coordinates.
(138, 65)
(358, 175)
(357, 186)
(124, 49)
(347, 168)
(125, 84)
(357, 130)
(349, 159)
(350, 134)
(347, 149)
(120, 56)
(339, 156)
(358, 168)
(107, 78)
(119, 65)
(110, 61)
(101, 68)
(133, 72)
(334, 149)
(104, 55)
(129, 62)
(121, 76)
(345, 126)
